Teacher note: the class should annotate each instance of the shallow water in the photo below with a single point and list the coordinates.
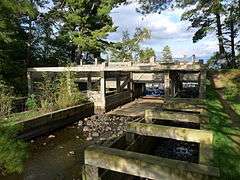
(59, 157)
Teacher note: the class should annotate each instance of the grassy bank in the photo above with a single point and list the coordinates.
(228, 82)
(226, 138)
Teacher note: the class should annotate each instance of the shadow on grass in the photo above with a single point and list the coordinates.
(226, 147)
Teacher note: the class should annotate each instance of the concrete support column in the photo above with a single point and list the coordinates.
(90, 173)
(89, 82)
(29, 80)
(130, 84)
(118, 84)
(103, 90)
(167, 83)
(202, 84)
(96, 61)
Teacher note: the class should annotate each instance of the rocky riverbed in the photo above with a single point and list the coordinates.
(103, 127)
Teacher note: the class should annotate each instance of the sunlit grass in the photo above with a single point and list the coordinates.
(226, 145)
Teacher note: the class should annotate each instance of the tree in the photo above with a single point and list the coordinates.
(129, 47)
(146, 54)
(83, 25)
(167, 54)
(231, 29)
(13, 40)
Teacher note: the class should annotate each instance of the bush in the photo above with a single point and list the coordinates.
(12, 150)
(5, 99)
(59, 93)
(46, 95)
(67, 92)
(31, 103)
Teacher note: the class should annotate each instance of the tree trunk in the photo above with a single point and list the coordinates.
(232, 36)
(220, 36)
(73, 53)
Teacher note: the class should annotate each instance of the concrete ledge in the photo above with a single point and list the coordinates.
(182, 134)
(143, 165)
(172, 116)
(51, 121)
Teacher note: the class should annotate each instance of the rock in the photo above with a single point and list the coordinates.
(85, 119)
(89, 123)
(86, 128)
(71, 152)
(51, 136)
(89, 138)
(80, 123)
(44, 144)
(32, 141)
(108, 128)
(95, 134)
(102, 139)
(61, 147)
(77, 137)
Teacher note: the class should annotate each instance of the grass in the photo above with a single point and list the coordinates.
(226, 138)
(229, 82)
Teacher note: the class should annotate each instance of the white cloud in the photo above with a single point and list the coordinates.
(166, 29)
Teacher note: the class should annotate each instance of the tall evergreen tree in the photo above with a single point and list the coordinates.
(167, 55)
(83, 25)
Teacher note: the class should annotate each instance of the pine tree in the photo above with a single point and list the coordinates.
(83, 25)
(167, 55)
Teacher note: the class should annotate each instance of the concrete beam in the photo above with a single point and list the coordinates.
(182, 134)
(146, 166)
(172, 116)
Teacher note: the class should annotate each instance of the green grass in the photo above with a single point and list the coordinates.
(22, 116)
(226, 147)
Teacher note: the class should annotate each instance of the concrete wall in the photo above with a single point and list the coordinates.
(117, 99)
(51, 121)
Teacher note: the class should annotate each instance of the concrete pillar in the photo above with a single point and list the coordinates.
(81, 62)
(90, 173)
(29, 80)
(148, 116)
(89, 82)
(130, 85)
(96, 61)
(103, 90)
(202, 84)
(118, 84)
(167, 83)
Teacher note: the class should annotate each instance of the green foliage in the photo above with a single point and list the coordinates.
(5, 99)
(31, 103)
(67, 92)
(60, 92)
(167, 55)
(13, 152)
(129, 48)
(146, 54)
(47, 88)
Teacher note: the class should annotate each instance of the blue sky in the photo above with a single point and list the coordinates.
(166, 29)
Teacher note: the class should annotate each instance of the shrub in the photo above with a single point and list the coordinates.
(31, 103)
(67, 92)
(46, 96)
(5, 99)
(13, 152)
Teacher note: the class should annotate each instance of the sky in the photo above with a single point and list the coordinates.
(166, 29)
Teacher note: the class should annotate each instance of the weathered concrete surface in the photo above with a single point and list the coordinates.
(183, 134)
(143, 165)
(51, 121)
(172, 116)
